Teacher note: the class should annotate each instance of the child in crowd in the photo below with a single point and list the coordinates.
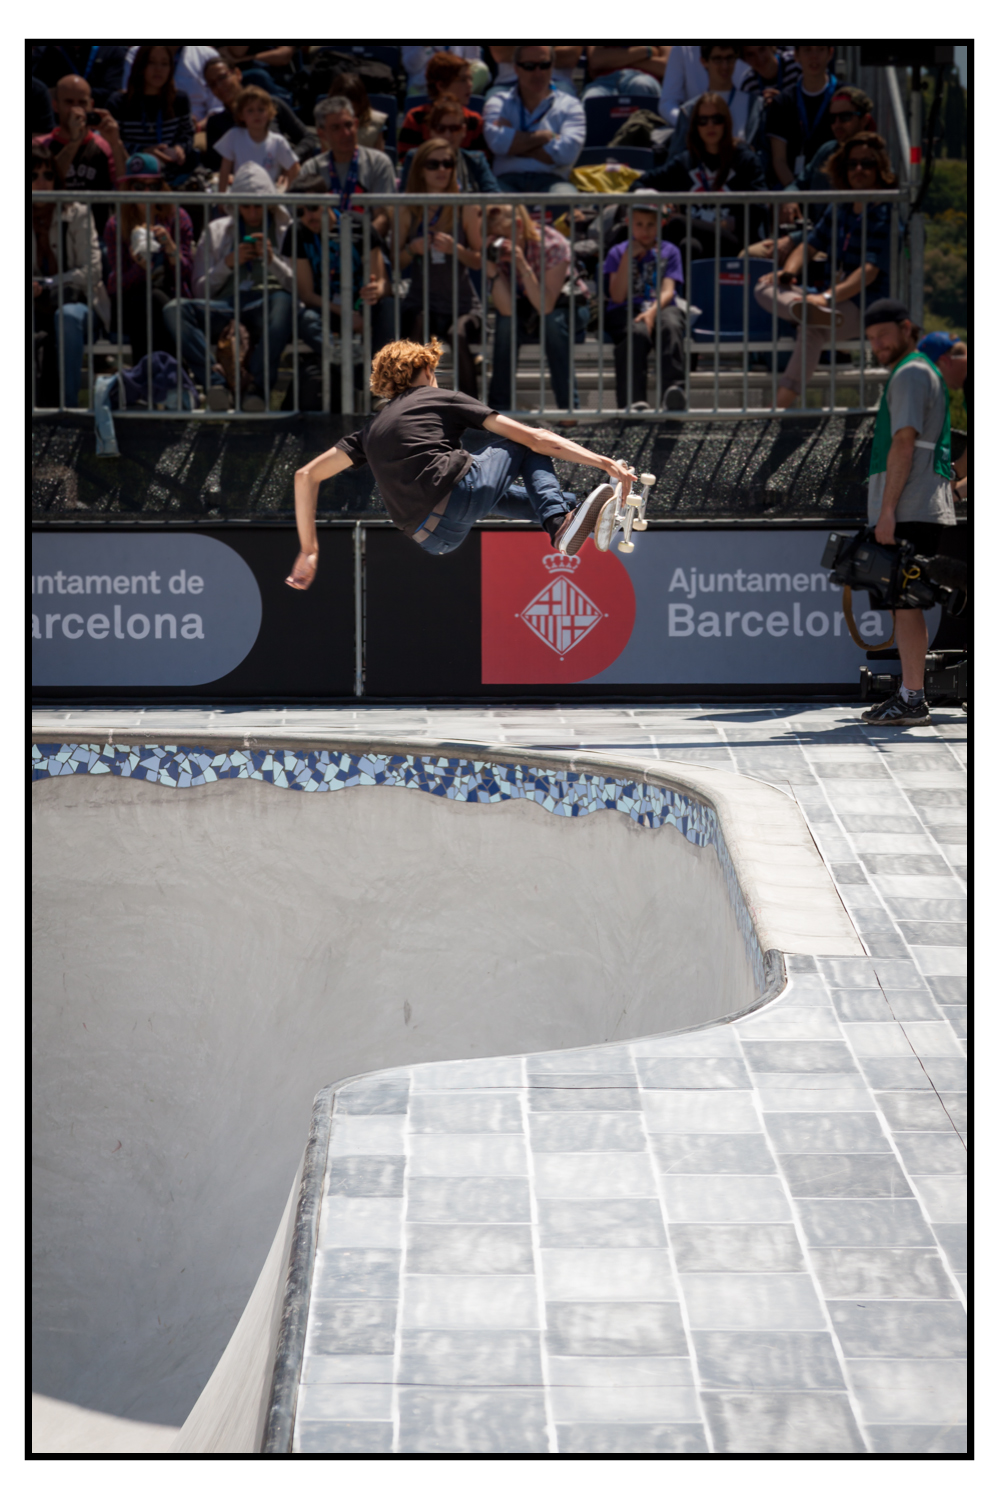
(252, 139)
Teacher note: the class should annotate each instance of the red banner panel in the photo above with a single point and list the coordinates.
(550, 618)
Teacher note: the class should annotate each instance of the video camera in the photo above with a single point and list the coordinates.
(896, 575)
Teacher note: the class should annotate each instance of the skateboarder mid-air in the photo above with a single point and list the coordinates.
(433, 488)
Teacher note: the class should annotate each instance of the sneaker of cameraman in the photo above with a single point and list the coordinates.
(909, 483)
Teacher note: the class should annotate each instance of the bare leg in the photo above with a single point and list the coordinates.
(911, 638)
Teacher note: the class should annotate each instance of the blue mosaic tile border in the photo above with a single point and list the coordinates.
(568, 794)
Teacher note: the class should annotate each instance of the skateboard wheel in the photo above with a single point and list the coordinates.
(647, 479)
(626, 546)
(639, 525)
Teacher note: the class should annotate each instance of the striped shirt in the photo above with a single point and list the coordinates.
(144, 124)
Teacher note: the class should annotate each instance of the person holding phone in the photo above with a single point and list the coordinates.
(145, 255)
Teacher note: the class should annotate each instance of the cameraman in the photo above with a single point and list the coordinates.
(909, 483)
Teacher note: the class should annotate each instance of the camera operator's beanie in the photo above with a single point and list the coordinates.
(887, 310)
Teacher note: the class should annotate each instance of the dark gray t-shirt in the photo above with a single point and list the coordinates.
(414, 448)
(917, 398)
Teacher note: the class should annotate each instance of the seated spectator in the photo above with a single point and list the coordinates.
(534, 132)
(566, 59)
(103, 67)
(40, 117)
(798, 122)
(434, 172)
(139, 260)
(85, 160)
(270, 65)
(154, 115)
(309, 278)
(239, 239)
(371, 122)
(630, 279)
(416, 59)
(850, 112)
(64, 325)
(745, 110)
(521, 296)
(343, 167)
(685, 78)
(446, 74)
(625, 70)
(861, 164)
(711, 163)
(771, 69)
(446, 119)
(226, 83)
(189, 78)
(252, 138)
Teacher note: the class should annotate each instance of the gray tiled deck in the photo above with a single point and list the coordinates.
(745, 1240)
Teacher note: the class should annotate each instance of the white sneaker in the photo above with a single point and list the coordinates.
(579, 523)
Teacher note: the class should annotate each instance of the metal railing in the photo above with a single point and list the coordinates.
(754, 215)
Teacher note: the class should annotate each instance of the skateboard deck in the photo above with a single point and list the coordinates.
(625, 513)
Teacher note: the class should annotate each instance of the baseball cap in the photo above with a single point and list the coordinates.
(143, 165)
(936, 344)
(887, 310)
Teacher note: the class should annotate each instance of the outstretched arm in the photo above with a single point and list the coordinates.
(554, 446)
(307, 482)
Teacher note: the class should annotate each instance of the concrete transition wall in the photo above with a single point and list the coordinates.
(206, 960)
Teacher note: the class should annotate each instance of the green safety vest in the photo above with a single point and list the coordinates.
(882, 441)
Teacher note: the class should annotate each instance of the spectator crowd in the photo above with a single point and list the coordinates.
(225, 281)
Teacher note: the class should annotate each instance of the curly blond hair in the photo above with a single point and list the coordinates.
(396, 366)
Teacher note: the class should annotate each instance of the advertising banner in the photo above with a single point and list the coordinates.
(179, 614)
(706, 607)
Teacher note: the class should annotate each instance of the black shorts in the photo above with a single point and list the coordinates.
(925, 536)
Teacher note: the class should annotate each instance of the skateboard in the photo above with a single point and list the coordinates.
(625, 513)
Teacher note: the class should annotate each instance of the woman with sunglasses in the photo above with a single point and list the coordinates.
(54, 268)
(861, 164)
(451, 75)
(449, 227)
(712, 162)
(445, 119)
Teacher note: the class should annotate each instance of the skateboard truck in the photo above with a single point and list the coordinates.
(625, 514)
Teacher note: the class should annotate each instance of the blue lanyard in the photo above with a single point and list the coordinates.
(350, 184)
(807, 129)
(524, 113)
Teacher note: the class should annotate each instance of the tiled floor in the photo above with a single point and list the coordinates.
(749, 1239)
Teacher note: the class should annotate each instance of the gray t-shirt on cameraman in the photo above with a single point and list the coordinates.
(917, 398)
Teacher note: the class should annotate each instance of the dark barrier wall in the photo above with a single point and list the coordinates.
(203, 614)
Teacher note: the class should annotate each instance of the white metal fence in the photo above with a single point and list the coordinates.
(731, 360)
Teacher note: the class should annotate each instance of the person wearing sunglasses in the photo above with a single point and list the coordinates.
(535, 131)
(686, 77)
(746, 111)
(851, 111)
(446, 75)
(861, 164)
(59, 283)
(712, 162)
(427, 242)
(445, 119)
